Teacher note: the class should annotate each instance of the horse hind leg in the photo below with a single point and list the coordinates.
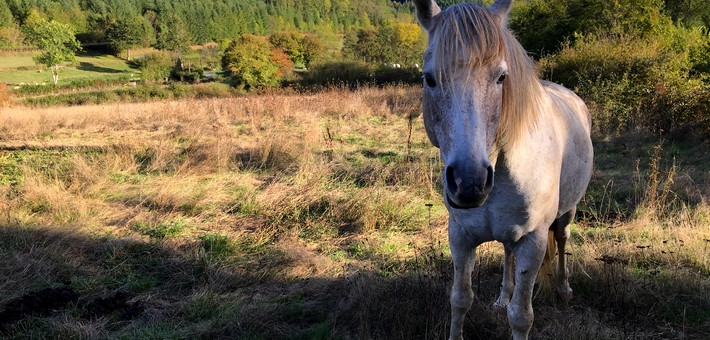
(562, 233)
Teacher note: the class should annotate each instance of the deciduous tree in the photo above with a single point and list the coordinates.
(57, 42)
(248, 59)
(126, 33)
(301, 49)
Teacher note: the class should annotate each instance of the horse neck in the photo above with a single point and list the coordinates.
(529, 159)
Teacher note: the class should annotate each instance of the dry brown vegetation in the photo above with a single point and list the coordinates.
(312, 216)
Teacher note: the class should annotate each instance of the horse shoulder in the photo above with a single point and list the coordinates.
(569, 104)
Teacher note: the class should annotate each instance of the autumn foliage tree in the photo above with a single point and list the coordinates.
(391, 42)
(249, 61)
(281, 59)
(301, 49)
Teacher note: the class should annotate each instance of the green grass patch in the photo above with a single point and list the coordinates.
(48, 163)
(217, 245)
(160, 230)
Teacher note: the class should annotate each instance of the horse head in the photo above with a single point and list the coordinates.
(464, 74)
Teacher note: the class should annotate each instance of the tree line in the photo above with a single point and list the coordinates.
(161, 22)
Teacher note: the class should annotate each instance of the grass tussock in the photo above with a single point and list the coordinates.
(312, 216)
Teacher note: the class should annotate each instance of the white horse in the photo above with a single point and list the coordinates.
(492, 118)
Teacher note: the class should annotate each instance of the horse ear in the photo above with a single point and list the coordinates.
(426, 9)
(501, 10)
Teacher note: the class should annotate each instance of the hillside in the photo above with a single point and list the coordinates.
(204, 21)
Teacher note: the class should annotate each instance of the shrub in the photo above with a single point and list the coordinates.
(188, 76)
(211, 90)
(73, 84)
(357, 73)
(156, 66)
(35, 89)
(282, 61)
(390, 42)
(637, 81)
(300, 49)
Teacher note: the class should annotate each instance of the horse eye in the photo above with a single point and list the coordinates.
(502, 78)
(429, 80)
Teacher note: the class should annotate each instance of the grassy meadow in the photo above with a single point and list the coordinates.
(317, 216)
(19, 68)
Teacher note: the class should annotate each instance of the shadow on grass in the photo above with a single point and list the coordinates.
(60, 283)
(627, 167)
(85, 66)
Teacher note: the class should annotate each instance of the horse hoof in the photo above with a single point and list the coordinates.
(566, 293)
(500, 305)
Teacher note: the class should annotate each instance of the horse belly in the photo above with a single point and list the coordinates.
(576, 145)
(576, 170)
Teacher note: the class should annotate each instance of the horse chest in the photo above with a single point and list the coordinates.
(508, 214)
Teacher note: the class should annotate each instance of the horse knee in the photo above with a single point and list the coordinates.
(462, 300)
(561, 226)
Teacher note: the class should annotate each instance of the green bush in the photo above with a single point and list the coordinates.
(301, 49)
(31, 89)
(156, 66)
(211, 90)
(653, 81)
(542, 26)
(356, 73)
(188, 76)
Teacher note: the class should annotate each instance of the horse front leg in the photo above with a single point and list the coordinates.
(464, 258)
(529, 252)
(506, 288)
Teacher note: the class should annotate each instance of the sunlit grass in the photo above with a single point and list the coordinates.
(314, 216)
(21, 69)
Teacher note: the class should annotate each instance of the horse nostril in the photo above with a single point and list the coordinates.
(450, 181)
(490, 179)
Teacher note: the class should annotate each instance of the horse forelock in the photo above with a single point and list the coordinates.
(469, 39)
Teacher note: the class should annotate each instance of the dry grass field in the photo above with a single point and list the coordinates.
(285, 216)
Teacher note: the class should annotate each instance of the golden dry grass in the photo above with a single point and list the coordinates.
(305, 216)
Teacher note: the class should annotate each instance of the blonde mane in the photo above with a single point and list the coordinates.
(470, 30)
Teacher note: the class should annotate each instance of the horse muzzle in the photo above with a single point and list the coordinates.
(467, 188)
